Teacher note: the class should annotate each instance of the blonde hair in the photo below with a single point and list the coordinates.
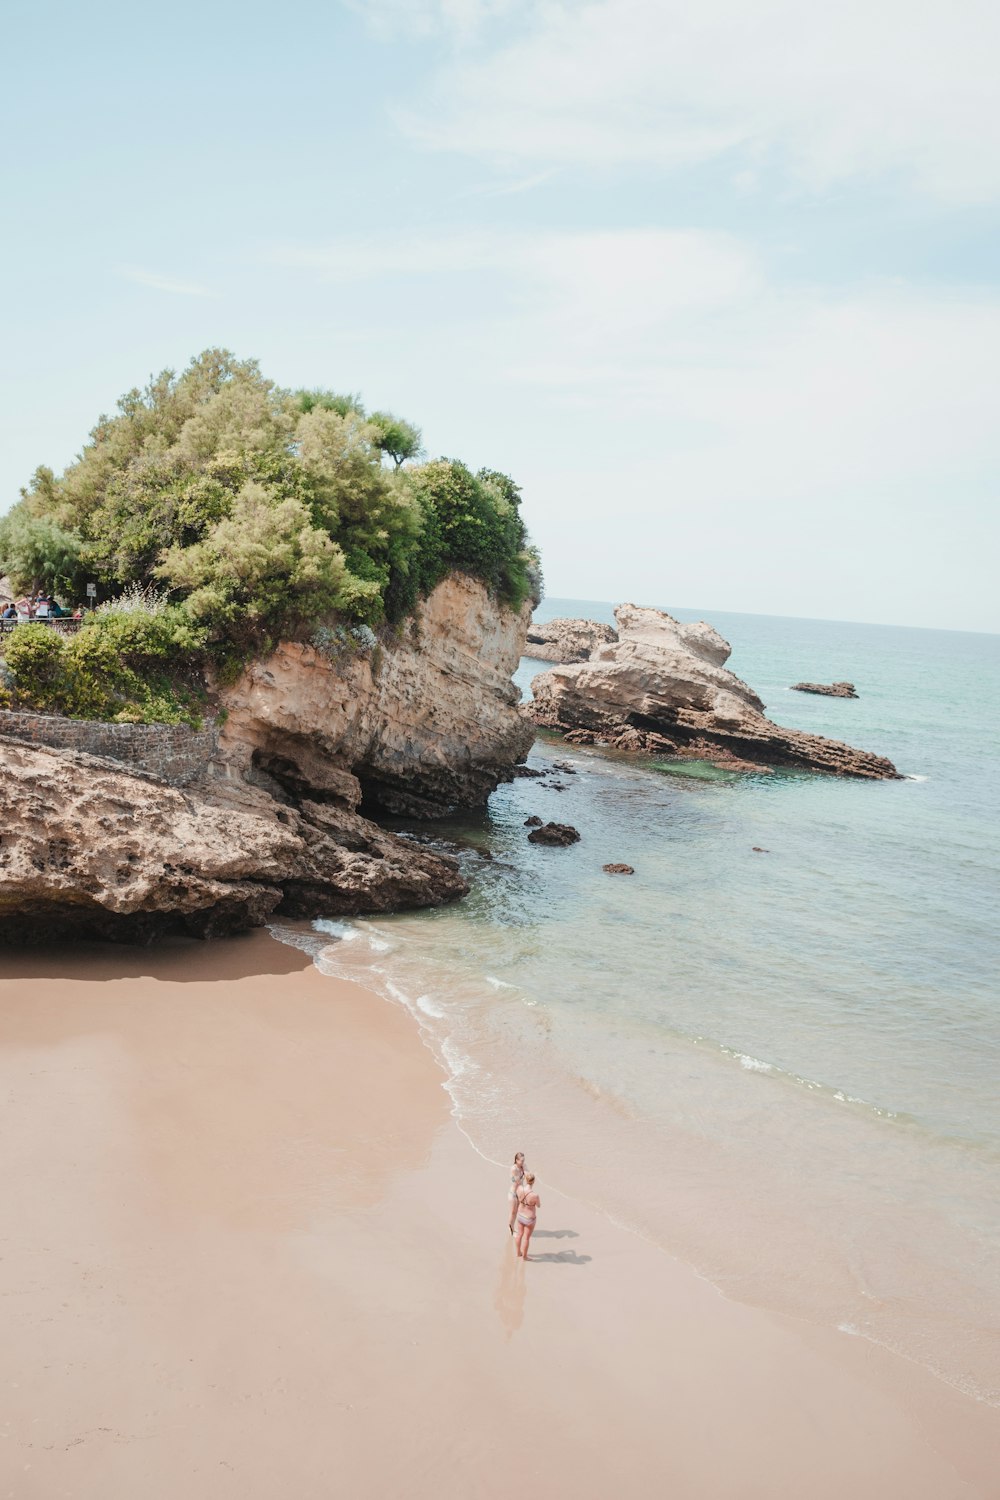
(529, 1178)
(518, 1154)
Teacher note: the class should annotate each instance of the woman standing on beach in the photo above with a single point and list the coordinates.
(516, 1178)
(528, 1203)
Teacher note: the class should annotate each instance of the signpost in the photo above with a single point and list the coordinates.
(91, 590)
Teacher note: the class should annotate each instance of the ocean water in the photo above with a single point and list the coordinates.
(780, 1066)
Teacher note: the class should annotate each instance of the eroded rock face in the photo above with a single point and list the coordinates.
(567, 640)
(827, 689)
(420, 727)
(89, 849)
(663, 688)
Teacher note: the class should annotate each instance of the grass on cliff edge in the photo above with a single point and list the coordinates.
(251, 514)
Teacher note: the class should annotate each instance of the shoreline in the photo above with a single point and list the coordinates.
(249, 1251)
(776, 1190)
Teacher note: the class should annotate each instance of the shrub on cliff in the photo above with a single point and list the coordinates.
(131, 666)
(262, 567)
(469, 522)
(263, 511)
(35, 656)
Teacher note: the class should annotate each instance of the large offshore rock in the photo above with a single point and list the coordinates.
(567, 640)
(423, 725)
(664, 687)
(90, 849)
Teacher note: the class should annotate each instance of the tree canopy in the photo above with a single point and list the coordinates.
(262, 509)
(216, 513)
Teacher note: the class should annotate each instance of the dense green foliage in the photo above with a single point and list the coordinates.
(37, 552)
(262, 511)
(122, 667)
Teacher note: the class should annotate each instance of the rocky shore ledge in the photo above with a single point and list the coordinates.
(311, 742)
(663, 688)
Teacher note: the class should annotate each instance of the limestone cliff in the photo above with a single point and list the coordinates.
(421, 726)
(664, 687)
(424, 723)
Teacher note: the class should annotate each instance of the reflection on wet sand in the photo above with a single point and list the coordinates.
(512, 1290)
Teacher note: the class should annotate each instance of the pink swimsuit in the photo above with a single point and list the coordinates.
(523, 1211)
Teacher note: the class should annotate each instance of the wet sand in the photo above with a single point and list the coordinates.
(246, 1253)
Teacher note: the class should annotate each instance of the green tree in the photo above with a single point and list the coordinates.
(472, 525)
(264, 565)
(396, 437)
(307, 401)
(38, 553)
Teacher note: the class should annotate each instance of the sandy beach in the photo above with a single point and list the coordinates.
(247, 1253)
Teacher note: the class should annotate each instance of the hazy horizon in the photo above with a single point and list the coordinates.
(708, 614)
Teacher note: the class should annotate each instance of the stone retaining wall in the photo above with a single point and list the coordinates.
(172, 752)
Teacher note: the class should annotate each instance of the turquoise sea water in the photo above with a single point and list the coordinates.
(783, 1066)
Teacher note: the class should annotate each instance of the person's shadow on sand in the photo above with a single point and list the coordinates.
(562, 1258)
(556, 1234)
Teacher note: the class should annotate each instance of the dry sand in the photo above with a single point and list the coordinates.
(247, 1254)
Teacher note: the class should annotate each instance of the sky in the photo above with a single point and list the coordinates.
(718, 284)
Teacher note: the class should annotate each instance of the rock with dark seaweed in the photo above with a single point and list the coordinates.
(558, 835)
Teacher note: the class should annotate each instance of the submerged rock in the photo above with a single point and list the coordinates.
(567, 640)
(663, 688)
(618, 869)
(533, 822)
(554, 833)
(829, 690)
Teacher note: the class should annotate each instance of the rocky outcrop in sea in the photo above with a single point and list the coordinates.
(663, 688)
(567, 640)
(827, 689)
(313, 739)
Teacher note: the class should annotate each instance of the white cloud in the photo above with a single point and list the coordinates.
(511, 187)
(593, 276)
(690, 429)
(880, 378)
(822, 93)
(163, 283)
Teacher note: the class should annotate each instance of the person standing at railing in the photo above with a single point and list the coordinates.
(10, 613)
